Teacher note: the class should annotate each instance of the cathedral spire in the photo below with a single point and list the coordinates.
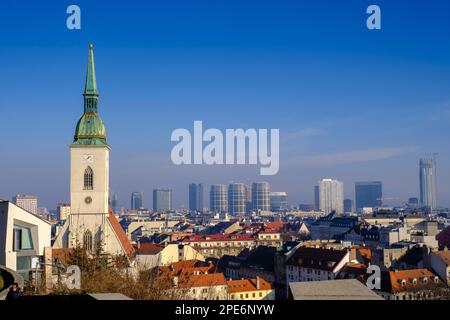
(90, 129)
(91, 83)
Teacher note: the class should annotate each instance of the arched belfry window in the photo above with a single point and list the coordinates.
(88, 179)
(87, 240)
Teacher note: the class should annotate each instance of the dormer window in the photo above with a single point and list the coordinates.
(436, 280)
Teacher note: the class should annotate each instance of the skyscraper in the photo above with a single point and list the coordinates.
(260, 196)
(278, 201)
(29, 203)
(196, 197)
(162, 200)
(349, 205)
(236, 199)
(331, 196)
(428, 183)
(316, 198)
(218, 198)
(63, 211)
(136, 200)
(368, 194)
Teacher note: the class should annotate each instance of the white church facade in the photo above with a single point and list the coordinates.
(91, 221)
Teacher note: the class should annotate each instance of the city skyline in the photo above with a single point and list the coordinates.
(182, 75)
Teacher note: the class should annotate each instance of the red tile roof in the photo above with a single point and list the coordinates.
(148, 248)
(121, 235)
(403, 280)
(276, 226)
(247, 285)
(205, 280)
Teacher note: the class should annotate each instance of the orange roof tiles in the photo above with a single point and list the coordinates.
(125, 242)
(148, 248)
(205, 280)
(243, 285)
(276, 226)
(403, 280)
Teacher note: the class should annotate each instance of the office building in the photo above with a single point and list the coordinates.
(331, 194)
(428, 183)
(368, 194)
(63, 211)
(218, 198)
(316, 198)
(278, 201)
(349, 205)
(236, 199)
(162, 200)
(29, 203)
(260, 196)
(196, 197)
(136, 200)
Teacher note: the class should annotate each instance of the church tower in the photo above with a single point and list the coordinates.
(91, 222)
(89, 154)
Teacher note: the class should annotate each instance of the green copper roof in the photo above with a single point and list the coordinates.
(90, 129)
(91, 83)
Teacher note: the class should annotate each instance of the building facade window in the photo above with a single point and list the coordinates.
(87, 240)
(88, 179)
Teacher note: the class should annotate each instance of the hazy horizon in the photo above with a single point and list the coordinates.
(351, 104)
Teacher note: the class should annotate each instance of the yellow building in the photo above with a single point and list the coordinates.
(250, 289)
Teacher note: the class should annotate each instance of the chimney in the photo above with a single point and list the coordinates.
(175, 281)
(257, 283)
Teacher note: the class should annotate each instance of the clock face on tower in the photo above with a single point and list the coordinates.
(88, 200)
(88, 157)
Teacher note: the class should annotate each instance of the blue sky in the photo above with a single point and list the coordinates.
(350, 103)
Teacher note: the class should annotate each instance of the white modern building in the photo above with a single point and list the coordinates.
(23, 236)
(63, 211)
(331, 196)
(27, 202)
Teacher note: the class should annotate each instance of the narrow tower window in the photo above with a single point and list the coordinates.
(88, 179)
(87, 240)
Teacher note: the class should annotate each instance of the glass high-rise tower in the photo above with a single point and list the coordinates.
(261, 196)
(368, 194)
(236, 199)
(136, 200)
(218, 198)
(428, 183)
(162, 200)
(196, 197)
